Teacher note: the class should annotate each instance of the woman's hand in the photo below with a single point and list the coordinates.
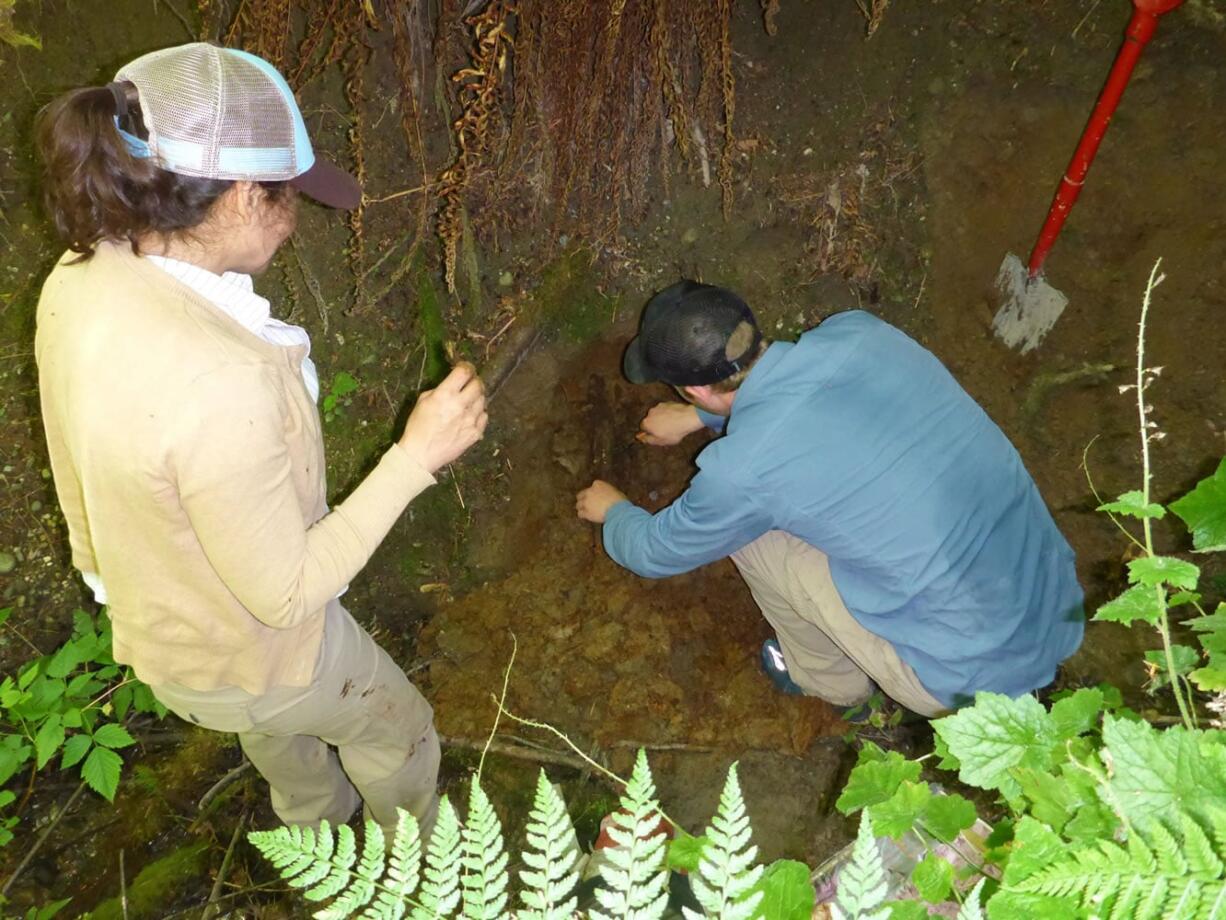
(446, 420)
(668, 423)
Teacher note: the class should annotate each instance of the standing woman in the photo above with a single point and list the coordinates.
(185, 441)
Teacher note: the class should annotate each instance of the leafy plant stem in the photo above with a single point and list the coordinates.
(94, 702)
(1164, 629)
(1085, 466)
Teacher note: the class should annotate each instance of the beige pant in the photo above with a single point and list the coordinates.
(828, 653)
(359, 733)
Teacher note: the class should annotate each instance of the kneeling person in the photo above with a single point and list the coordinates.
(884, 524)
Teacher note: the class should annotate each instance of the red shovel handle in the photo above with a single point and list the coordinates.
(1140, 31)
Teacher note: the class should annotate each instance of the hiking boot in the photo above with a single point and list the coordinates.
(777, 670)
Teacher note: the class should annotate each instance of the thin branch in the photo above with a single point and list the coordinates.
(42, 838)
(213, 907)
(222, 783)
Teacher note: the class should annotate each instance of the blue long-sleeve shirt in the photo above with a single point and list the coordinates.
(858, 441)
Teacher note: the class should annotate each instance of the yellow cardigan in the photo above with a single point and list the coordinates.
(188, 461)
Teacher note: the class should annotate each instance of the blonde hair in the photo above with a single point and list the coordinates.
(738, 343)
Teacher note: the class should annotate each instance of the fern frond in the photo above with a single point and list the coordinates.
(635, 874)
(1161, 876)
(341, 859)
(324, 865)
(862, 885)
(970, 907)
(403, 867)
(484, 881)
(1170, 860)
(553, 852)
(1203, 862)
(725, 877)
(440, 887)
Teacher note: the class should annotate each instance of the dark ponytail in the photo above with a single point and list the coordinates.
(95, 189)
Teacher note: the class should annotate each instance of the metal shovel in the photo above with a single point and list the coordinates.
(1029, 305)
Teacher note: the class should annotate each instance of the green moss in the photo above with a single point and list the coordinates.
(433, 331)
(158, 885)
(567, 301)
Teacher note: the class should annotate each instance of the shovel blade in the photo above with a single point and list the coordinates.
(1029, 307)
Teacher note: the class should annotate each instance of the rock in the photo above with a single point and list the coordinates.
(690, 236)
(8, 562)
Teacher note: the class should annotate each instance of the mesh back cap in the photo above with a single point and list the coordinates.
(221, 113)
(688, 336)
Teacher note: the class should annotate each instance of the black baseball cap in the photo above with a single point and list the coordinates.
(685, 335)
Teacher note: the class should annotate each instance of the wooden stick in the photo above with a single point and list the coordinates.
(212, 907)
(222, 784)
(42, 838)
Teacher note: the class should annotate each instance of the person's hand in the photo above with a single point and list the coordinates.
(594, 502)
(668, 423)
(446, 420)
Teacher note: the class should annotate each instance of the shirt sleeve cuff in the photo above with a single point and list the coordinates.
(711, 420)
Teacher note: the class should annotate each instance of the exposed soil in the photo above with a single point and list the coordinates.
(892, 174)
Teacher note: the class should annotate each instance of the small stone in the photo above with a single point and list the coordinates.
(8, 562)
(690, 236)
(506, 279)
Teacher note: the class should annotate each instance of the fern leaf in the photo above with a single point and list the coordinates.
(484, 883)
(1166, 847)
(342, 859)
(635, 875)
(724, 877)
(440, 888)
(970, 907)
(362, 889)
(403, 864)
(1203, 863)
(551, 875)
(1213, 904)
(862, 884)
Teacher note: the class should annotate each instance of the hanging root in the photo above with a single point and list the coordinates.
(873, 12)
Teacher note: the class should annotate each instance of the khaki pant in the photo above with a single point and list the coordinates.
(359, 733)
(828, 653)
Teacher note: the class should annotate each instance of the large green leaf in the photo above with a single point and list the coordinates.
(1163, 570)
(787, 893)
(933, 878)
(1137, 603)
(49, 739)
(1156, 774)
(1077, 713)
(101, 771)
(75, 749)
(898, 814)
(998, 733)
(946, 816)
(1133, 504)
(1035, 845)
(685, 851)
(875, 781)
(113, 735)
(1204, 511)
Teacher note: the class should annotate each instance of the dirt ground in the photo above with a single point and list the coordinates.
(891, 174)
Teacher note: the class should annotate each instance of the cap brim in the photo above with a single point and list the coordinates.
(329, 185)
(634, 364)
